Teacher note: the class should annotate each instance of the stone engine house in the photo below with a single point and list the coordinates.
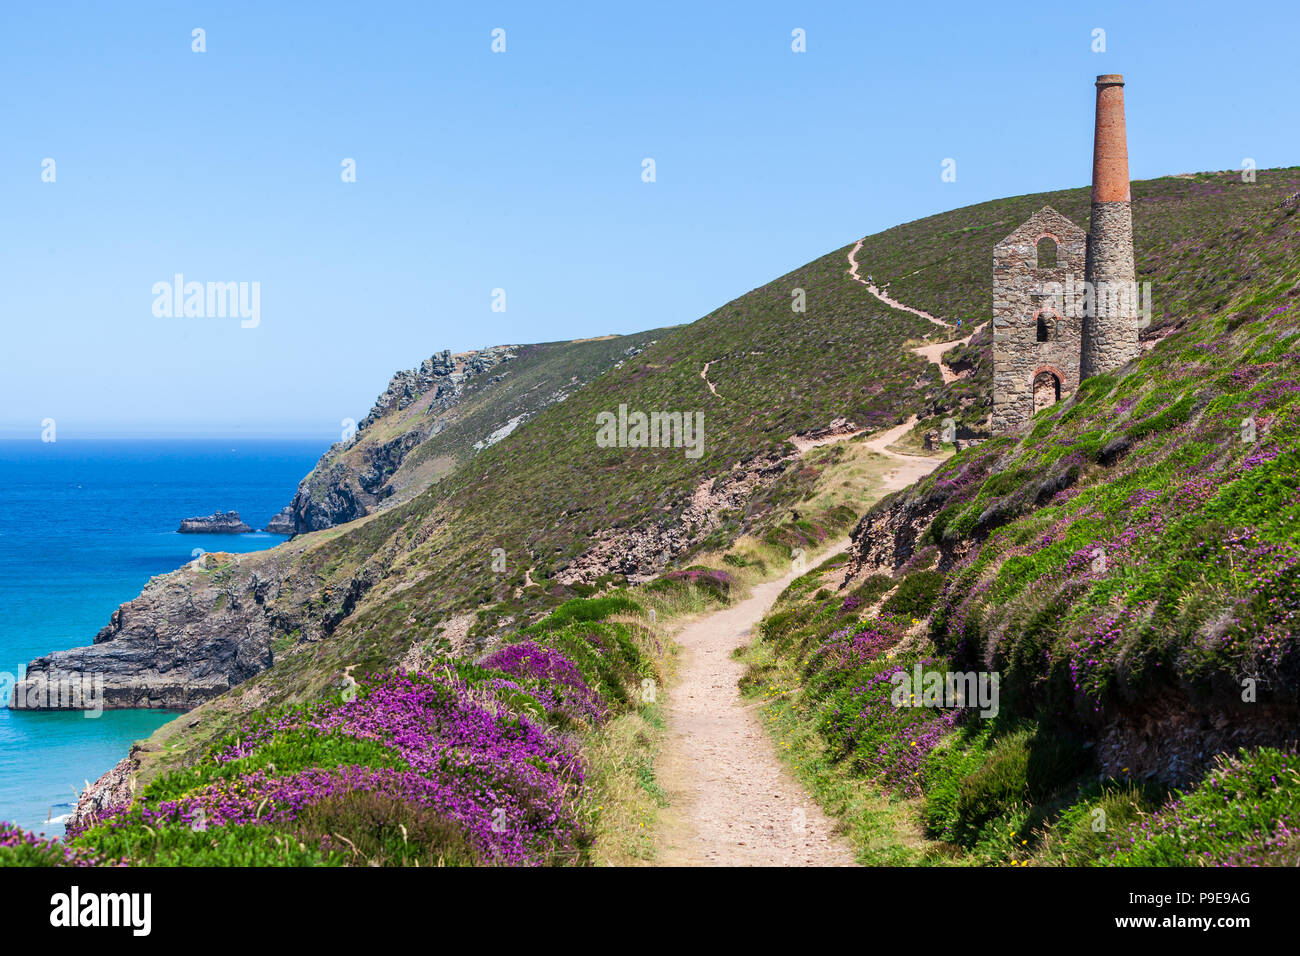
(1042, 346)
(1036, 348)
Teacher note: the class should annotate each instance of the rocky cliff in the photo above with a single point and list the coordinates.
(194, 633)
(282, 522)
(356, 476)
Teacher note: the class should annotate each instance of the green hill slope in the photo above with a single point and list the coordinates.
(547, 513)
(434, 417)
(1129, 569)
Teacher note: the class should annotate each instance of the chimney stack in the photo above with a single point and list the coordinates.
(1110, 334)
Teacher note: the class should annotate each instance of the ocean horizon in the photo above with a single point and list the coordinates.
(86, 523)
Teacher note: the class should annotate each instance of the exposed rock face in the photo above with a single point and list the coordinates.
(107, 794)
(886, 536)
(443, 374)
(641, 553)
(194, 633)
(222, 522)
(1173, 739)
(282, 523)
(189, 636)
(353, 478)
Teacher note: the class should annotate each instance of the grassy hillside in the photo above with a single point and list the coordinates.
(540, 753)
(1129, 568)
(423, 580)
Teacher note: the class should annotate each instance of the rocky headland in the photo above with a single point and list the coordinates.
(355, 476)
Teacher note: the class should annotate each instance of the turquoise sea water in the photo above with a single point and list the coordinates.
(83, 526)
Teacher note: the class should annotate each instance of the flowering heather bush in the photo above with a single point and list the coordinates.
(885, 743)
(466, 764)
(568, 692)
(18, 847)
(1244, 813)
(714, 583)
(507, 785)
(858, 645)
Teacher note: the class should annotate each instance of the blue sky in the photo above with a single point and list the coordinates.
(522, 171)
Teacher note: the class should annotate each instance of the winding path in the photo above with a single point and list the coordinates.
(733, 803)
(934, 353)
(882, 296)
(704, 374)
(931, 353)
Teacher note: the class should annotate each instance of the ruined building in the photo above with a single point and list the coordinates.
(1045, 340)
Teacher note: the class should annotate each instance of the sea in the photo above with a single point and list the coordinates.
(83, 526)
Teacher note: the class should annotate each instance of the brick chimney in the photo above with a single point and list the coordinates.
(1110, 334)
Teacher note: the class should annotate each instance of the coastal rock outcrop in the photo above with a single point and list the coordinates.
(222, 522)
(196, 632)
(189, 636)
(282, 523)
(356, 476)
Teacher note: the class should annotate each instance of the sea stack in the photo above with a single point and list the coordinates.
(223, 522)
(282, 523)
(1110, 335)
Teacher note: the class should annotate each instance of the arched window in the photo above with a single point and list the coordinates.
(1044, 329)
(1047, 253)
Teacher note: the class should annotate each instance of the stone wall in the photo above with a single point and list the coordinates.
(1111, 334)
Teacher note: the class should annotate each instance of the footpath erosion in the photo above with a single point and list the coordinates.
(733, 801)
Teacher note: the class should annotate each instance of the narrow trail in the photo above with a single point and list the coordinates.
(733, 801)
(931, 353)
(934, 353)
(882, 296)
(705, 375)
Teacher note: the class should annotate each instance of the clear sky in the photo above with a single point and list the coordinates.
(522, 171)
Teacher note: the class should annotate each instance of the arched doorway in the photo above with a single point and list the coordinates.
(1047, 390)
